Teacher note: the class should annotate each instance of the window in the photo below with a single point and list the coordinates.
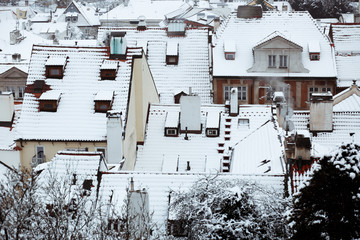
(283, 61)
(87, 184)
(212, 132)
(11, 89)
(54, 71)
(172, 60)
(326, 89)
(272, 61)
(242, 93)
(74, 19)
(171, 132)
(243, 123)
(316, 89)
(230, 56)
(21, 92)
(101, 150)
(314, 56)
(39, 155)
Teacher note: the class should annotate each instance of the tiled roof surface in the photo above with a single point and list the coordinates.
(170, 154)
(159, 186)
(192, 69)
(75, 118)
(347, 52)
(298, 27)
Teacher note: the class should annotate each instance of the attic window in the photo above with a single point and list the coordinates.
(243, 123)
(103, 101)
(172, 53)
(314, 51)
(118, 45)
(229, 49)
(212, 124)
(108, 70)
(49, 101)
(172, 124)
(55, 67)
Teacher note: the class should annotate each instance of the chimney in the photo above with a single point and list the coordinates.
(216, 23)
(234, 106)
(139, 214)
(190, 118)
(6, 109)
(321, 112)
(302, 145)
(114, 137)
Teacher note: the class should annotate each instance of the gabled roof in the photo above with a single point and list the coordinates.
(87, 11)
(298, 27)
(193, 66)
(170, 154)
(273, 36)
(75, 118)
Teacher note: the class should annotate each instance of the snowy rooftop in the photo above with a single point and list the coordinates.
(297, 27)
(172, 49)
(159, 186)
(346, 39)
(107, 64)
(193, 66)
(88, 12)
(151, 10)
(56, 61)
(104, 96)
(50, 95)
(314, 47)
(75, 118)
(170, 154)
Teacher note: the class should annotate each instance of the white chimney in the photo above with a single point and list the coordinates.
(114, 137)
(6, 107)
(234, 107)
(190, 118)
(321, 112)
(139, 214)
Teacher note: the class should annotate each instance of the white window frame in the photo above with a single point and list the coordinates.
(243, 123)
(272, 61)
(21, 92)
(283, 61)
(230, 56)
(316, 89)
(212, 132)
(242, 92)
(167, 132)
(11, 89)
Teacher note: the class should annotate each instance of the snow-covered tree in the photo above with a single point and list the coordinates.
(224, 209)
(322, 8)
(329, 206)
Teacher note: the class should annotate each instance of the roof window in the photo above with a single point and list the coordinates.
(49, 101)
(229, 49)
(243, 123)
(118, 45)
(55, 66)
(314, 51)
(172, 124)
(172, 53)
(176, 29)
(103, 101)
(108, 70)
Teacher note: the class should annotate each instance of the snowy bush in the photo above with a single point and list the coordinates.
(328, 207)
(224, 209)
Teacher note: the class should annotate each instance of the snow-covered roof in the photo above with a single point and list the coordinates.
(56, 61)
(75, 118)
(107, 64)
(172, 49)
(51, 95)
(172, 120)
(159, 186)
(170, 154)
(104, 96)
(88, 12)
(193, 66)
(229, 46)
(297, 27)
(346, 38)
(261, 152)
(314, 47)
(22, 67)
(213, 120)
(151, 10)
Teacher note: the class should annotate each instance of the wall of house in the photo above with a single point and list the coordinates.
(50, 149)
(142, 93)
(13, 78)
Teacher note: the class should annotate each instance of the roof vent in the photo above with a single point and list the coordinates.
(249, 12)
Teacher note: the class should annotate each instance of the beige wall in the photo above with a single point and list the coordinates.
(50, 149)
(143, 92)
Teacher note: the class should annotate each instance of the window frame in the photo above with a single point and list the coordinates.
(242, 94)
(230, 56)
(246, 123)
(271, 61)
(313, 55)
(212, 132)
(283, 61)
(174, 134)
(101, 150)
(21, 92)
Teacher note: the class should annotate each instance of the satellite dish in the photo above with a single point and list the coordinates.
(286, 111)
(288, 125)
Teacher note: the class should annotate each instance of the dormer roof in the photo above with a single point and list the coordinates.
(276, 35)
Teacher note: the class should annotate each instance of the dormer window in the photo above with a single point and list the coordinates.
(283, 61)
(55, 66)
(212, 124)
(272, 61)
(243, 123)
(108, 70)
(118, 45)
(172, 124)
(71, 17)
(49, 101)
(229, 49)
(176, 28)
(172, 53)
(314, 51)
(103, 101)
